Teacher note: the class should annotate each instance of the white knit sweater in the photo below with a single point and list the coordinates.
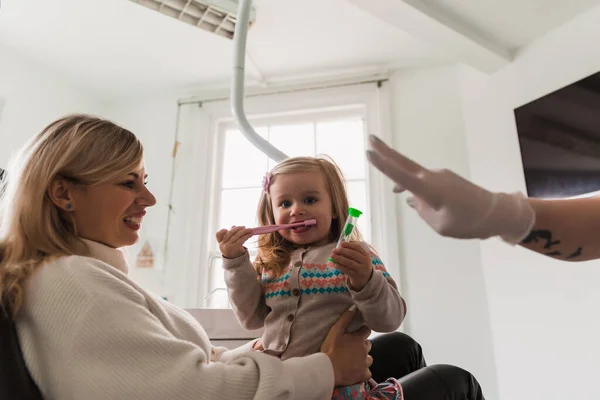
(88, 332)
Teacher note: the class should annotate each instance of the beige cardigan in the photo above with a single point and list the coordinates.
(88, 332)
(298, 308)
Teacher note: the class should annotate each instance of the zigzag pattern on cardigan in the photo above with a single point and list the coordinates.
(315, 279)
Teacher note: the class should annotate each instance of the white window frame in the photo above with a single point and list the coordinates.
(370, 100)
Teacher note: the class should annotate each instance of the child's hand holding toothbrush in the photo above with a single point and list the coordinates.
(353, 259)
(231, 242)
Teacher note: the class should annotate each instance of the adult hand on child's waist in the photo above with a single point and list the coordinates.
(348, 352)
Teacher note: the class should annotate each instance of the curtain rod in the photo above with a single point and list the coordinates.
(377, 80)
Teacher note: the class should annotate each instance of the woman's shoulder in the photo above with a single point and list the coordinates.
(78, 266)
(69, 294)
(80, 276)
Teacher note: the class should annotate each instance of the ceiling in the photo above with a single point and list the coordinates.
(116, 47)
(512, 23)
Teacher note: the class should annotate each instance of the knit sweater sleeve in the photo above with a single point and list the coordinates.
(117, 348)
(245, 292)
(380, 302)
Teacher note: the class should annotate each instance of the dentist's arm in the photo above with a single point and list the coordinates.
(454, 207)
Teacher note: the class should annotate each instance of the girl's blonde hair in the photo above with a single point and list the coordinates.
(81, 149)
(273, 250)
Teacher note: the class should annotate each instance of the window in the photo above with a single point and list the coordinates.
(340, 135)
(330, 120)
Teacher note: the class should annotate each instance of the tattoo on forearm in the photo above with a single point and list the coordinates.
(575, 254)
(545, 235)
(541, 234)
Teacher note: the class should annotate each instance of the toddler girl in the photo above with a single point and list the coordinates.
(292, 290)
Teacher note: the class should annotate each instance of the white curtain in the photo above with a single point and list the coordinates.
(186, 240)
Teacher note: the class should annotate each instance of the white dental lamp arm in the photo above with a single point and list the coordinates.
(237, 89)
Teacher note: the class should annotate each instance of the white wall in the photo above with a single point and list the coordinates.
(443, 281)
(33, 97)
(544, 313)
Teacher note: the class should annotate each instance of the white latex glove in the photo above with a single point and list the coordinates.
(451, 205)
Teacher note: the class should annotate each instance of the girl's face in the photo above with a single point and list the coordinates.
(298, 197)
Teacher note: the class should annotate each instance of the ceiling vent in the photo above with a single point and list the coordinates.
(216, 16)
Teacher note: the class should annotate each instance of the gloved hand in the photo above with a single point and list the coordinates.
(451, 205)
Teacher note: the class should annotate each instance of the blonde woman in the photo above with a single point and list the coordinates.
(75, 195)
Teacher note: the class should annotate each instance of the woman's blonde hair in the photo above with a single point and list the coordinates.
(81, 149)
(273, 250)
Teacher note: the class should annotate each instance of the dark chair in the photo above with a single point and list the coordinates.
(15, 381)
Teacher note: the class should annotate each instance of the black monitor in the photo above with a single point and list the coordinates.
(559, 136)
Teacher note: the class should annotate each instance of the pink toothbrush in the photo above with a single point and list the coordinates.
(272, 228)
